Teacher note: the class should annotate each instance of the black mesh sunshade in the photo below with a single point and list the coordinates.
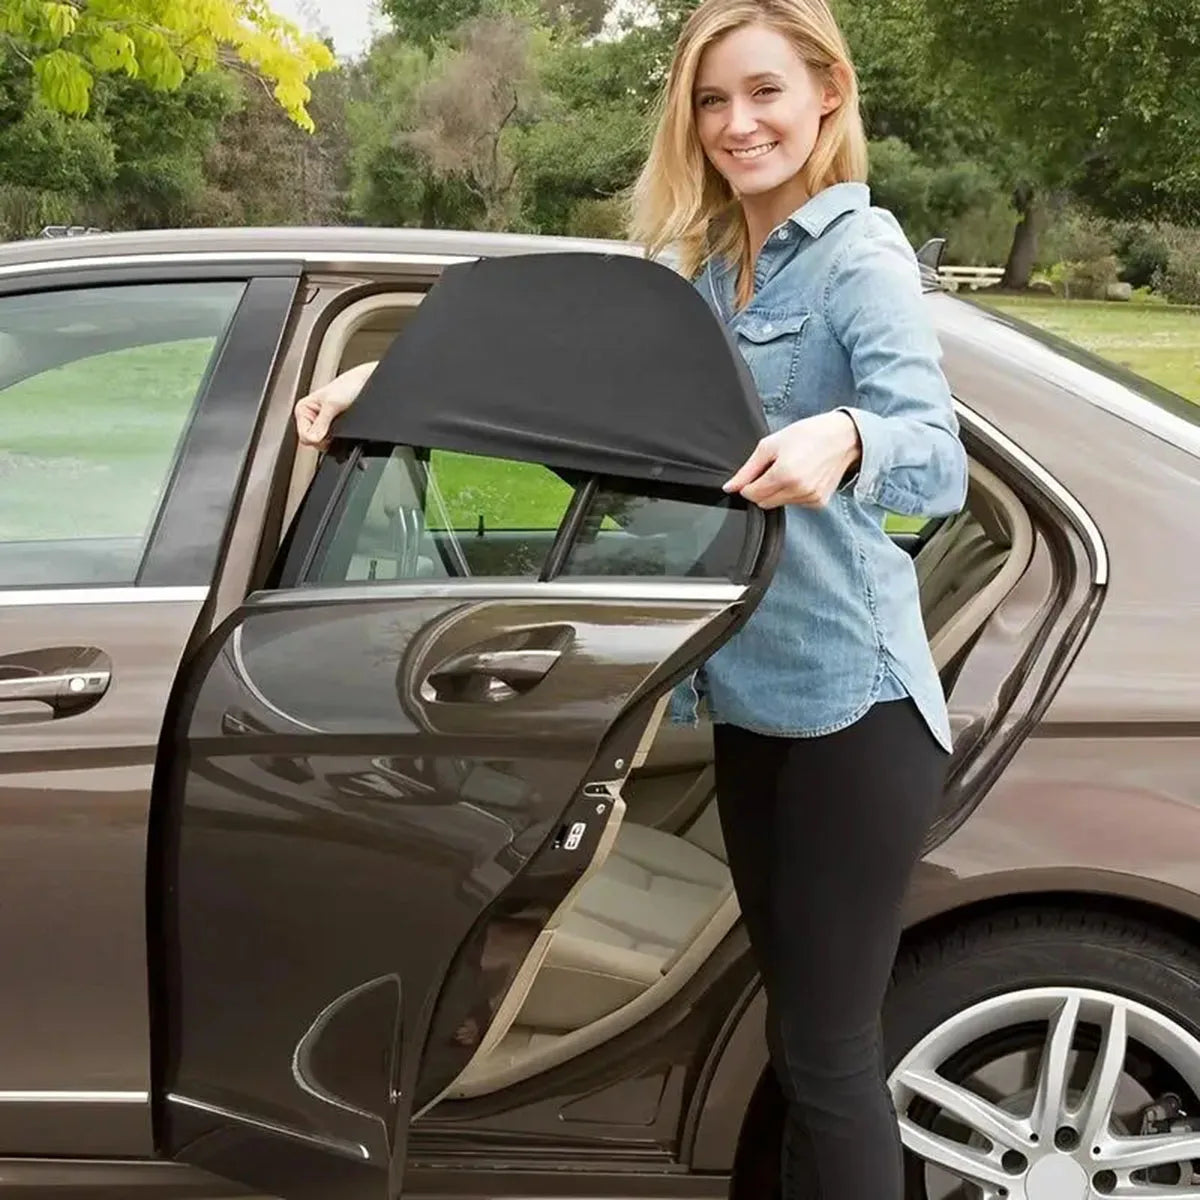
(605, 365)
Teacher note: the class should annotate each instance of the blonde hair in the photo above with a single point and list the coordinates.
(680, 199)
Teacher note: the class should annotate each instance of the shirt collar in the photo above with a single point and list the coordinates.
(815, 216)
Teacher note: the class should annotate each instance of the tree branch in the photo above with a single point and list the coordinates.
(11, 42)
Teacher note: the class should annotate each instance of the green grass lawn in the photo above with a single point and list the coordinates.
(507, 495)
(1159, 342)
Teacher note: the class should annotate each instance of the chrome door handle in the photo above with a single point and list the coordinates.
(68, 688)
(489, 674)
(514, 667)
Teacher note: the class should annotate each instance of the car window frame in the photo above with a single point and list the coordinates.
(183, 544)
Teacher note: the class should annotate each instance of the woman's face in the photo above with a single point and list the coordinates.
(758, 109)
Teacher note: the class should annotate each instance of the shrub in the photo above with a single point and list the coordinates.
(1079, 250)
(1086, 279)
(1179, 280)
(25, 211)
(1145, 295)
(598, 218)
(1143, 252)
(1073, 236)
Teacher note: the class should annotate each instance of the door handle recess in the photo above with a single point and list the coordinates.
(489, 674)
(59, 690)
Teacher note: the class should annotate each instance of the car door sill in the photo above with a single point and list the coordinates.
(478, 1183)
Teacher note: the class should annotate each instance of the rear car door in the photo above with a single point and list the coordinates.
(128, 398)
(392, 767)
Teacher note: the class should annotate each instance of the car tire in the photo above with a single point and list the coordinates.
(992, 969)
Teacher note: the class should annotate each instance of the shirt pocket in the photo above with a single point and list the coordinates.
(770, 344)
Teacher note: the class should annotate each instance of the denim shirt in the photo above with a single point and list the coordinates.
(837, 321)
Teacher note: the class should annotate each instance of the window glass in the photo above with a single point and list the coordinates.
(641, 529)
(443, 515)
(97, 387)
(406, 515)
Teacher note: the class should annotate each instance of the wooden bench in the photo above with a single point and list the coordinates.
(972, 277)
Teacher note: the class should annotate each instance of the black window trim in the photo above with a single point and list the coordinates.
(189, 535)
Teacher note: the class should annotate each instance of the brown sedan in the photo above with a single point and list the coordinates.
(347, 849)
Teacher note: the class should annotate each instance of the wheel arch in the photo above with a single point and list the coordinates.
(740, 1114)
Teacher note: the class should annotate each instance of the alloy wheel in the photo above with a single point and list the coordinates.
(1054, 1093)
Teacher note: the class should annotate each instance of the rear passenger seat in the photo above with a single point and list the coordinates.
(654, 895)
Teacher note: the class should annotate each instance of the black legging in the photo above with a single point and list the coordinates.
(822, 836)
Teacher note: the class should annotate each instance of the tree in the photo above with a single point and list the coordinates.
(466, 114)
(160, 141)
(578, 161)
(391, 182)
(68, 44)
(427, 22)
(424, 22)
(261, 170)
(1098, 97)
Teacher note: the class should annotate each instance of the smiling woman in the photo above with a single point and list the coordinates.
(830, 723)
(831, 728)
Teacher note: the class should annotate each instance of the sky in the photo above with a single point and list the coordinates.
(349, 22)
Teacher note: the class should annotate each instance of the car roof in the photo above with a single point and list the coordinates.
(343, 242)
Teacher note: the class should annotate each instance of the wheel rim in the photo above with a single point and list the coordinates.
(1072, 1127)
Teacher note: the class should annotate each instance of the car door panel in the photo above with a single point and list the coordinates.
(74, 794)
(359, 868)
(140, 356)
(380, 786)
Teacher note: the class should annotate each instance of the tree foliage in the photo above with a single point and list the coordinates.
(68, 44)
(1082, 82)
(1096, 98)
(470, 109)
(261, 169)
(390, 180)
(985, 120)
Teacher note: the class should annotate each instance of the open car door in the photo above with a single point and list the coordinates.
(394, 765)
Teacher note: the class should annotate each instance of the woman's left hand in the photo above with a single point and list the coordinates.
(804, 463)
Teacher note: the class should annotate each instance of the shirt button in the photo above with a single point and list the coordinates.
(783, 235)
(768, 328)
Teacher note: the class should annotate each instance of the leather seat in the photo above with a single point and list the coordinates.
(652, 897)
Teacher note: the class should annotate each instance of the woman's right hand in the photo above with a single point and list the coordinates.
(317, 411)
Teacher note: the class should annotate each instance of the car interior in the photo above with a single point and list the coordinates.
(649, 913)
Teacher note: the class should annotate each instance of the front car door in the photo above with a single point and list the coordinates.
(128, 398)
(393, 765)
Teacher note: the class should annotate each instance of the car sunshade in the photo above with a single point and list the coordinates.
(607, 365)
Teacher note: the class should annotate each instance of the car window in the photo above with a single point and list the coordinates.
(97, 386)
(443, 515)
(409, 515)
(640, 529)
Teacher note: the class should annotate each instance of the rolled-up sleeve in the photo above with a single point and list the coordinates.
(913, 462)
